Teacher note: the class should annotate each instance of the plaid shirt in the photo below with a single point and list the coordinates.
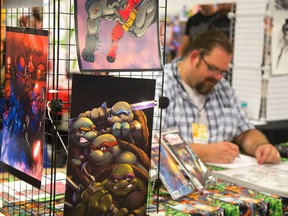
(226, 119)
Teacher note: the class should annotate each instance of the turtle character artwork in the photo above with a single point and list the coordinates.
(109, 150)
(121, 190)
(109, 32)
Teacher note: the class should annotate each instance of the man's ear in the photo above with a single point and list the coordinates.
(194, 55)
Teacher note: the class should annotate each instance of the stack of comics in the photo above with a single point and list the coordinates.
(180, 167)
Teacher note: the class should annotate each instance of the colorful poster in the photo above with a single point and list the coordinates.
(117, 36)
(109, 145)
(22, 107)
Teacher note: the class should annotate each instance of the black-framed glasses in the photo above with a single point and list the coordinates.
(212, 68)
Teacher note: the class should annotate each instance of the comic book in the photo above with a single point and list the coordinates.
(198, 208)
(187, 159)
(170, 175)
(194, 206)
(277, 205)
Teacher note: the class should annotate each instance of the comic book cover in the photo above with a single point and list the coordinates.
(259, 207)
(198, 208)
(244, 207)
(255, 206)
(276, 204)
(217, 205)
(189, 162)
(229, 209)
(171, 176)
(194, 207)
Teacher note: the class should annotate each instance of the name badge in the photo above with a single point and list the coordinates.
(200, 133)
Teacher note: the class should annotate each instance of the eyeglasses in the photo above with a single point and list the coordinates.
(212, 68)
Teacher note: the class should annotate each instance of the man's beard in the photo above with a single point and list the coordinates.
(206, 86)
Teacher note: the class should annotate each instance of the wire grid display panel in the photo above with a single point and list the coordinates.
(249, 33)
(248, 53)
(17, 196)
(249, 89)
(277, 100)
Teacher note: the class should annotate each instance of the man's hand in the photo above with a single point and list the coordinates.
(220, 152)
(267, 153)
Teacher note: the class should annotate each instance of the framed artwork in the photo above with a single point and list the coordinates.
(279, 40)
(22, 107)
(281, 4)
(117, 36)
(109, 145)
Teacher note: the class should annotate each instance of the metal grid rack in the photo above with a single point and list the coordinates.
(57, 16)
(21, 198)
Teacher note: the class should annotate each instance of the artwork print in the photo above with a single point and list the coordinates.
(114, 35)
(281, 4)
(280, 42)
(22, 106)
(109, 145)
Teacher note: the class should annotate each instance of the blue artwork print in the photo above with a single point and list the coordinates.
(22, 107)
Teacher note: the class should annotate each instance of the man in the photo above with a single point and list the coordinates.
(202, 20)
(222, 23)
(204, 107)
(209, 17)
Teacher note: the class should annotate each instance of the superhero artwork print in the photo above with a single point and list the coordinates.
(117, 35)
(109, 146)
(22, 106)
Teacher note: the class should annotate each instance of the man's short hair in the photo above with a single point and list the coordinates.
(205, 41)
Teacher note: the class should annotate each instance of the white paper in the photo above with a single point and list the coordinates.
(261, 178)
(281, 166)
(241, 161)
